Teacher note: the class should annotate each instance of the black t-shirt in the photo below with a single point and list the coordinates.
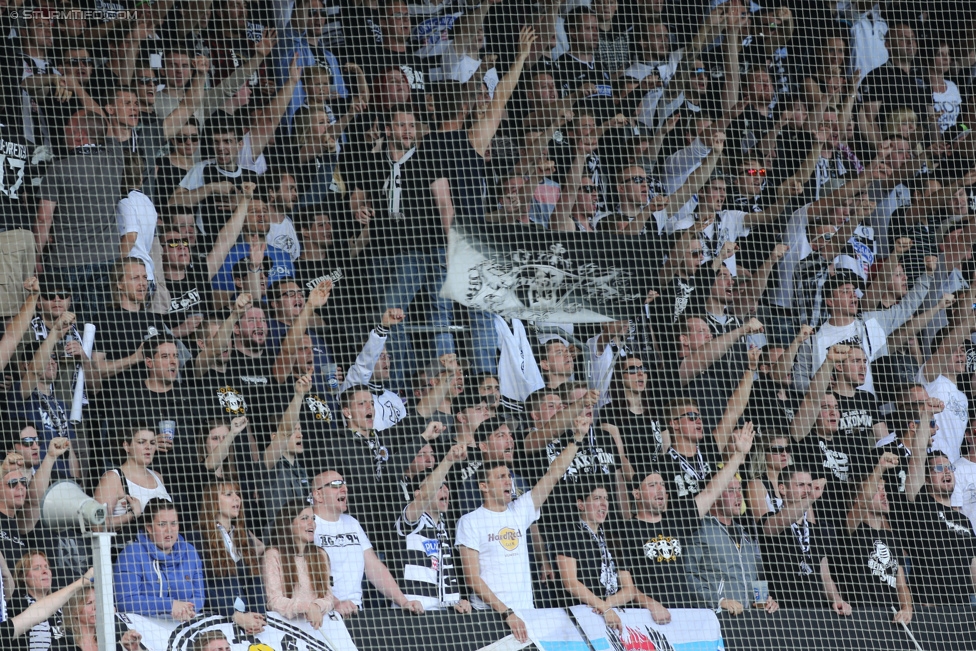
(713, 388)
(402, 220)
(858, 415)
(596, 567)
(842, 461)
(319, 418)
(15, 178)
(451, 156)
(688, 476)
(252, 378)
(131, 403)
(772, 406)
(640, 433)
(216, 210)
(895, 478)
(120, 332)
(563, 154)
(13, 544)
(941, 543)
(865, 566)
(747, 130)
(414, 67)
(889, 85)
(791, 564)
(653, 552)
(191, 295)
(574, 73)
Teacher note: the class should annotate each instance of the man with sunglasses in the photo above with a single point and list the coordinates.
(187, 282)
(351, 554)
(939, 539)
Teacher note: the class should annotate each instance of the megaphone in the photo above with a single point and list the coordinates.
(65, 505)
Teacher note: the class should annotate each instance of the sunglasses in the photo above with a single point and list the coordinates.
(185, 139)
(178, 244)
(939, 467)
(699, 72)
(693, 416)
(757, 172)
(50, 296)
(779, 449)
(80, 61)
(634, 370)
(12, 483)
(335, 483)
(637, 180)
(29, 441)
(144, 81)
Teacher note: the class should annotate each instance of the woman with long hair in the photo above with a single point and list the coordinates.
(32, 582)
(80, 625)
(762, 489)
(230, 557)
(126, 490)
(296, 572)
(630, 411)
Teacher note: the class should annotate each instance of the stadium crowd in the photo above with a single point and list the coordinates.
(251, 202)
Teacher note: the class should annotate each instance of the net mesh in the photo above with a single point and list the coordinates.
(386, 324)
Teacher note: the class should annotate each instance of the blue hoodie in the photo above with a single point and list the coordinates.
(148, 581)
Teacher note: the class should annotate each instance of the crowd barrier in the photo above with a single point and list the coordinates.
(932, 629)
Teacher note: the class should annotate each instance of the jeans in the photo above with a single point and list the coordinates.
(91, 293)
(400, 278)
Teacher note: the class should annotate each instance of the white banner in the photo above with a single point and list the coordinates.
(279, 634)
(689, 630)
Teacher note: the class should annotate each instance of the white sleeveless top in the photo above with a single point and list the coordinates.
(141, 493)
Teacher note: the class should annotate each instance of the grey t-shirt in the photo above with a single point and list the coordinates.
(86, 186)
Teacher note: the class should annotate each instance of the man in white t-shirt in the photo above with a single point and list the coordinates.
(847, 325)
(940, 376)
(350, 553)
(492, 539)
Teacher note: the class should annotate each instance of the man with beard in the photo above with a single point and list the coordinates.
(392, 193)
(939, 539)
(656, 541)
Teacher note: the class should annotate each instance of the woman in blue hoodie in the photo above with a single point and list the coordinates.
(160, 574)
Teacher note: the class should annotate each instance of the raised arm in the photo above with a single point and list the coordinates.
(432, 484)
(481, 134)
(809, 409)
(700, 360)
(318, 297)
(35, 370)
(737, 402)
(220, 341)
(781, 369)
(18, 325)
(217, 456)
(287, 424)
(228, 235)
(266, 122)
(742, 442)
(868, 488)
(918, 462)
(559, 466)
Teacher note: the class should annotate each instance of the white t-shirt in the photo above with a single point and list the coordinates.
(869, 335)
(284, 237)
(948, 105)
(954, 418)
(136, 213)
(964, 495)
(501, 540)
(346, 543)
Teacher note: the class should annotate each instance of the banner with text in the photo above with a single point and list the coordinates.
(279, 635)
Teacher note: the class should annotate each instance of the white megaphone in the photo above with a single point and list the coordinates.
(65, 505)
